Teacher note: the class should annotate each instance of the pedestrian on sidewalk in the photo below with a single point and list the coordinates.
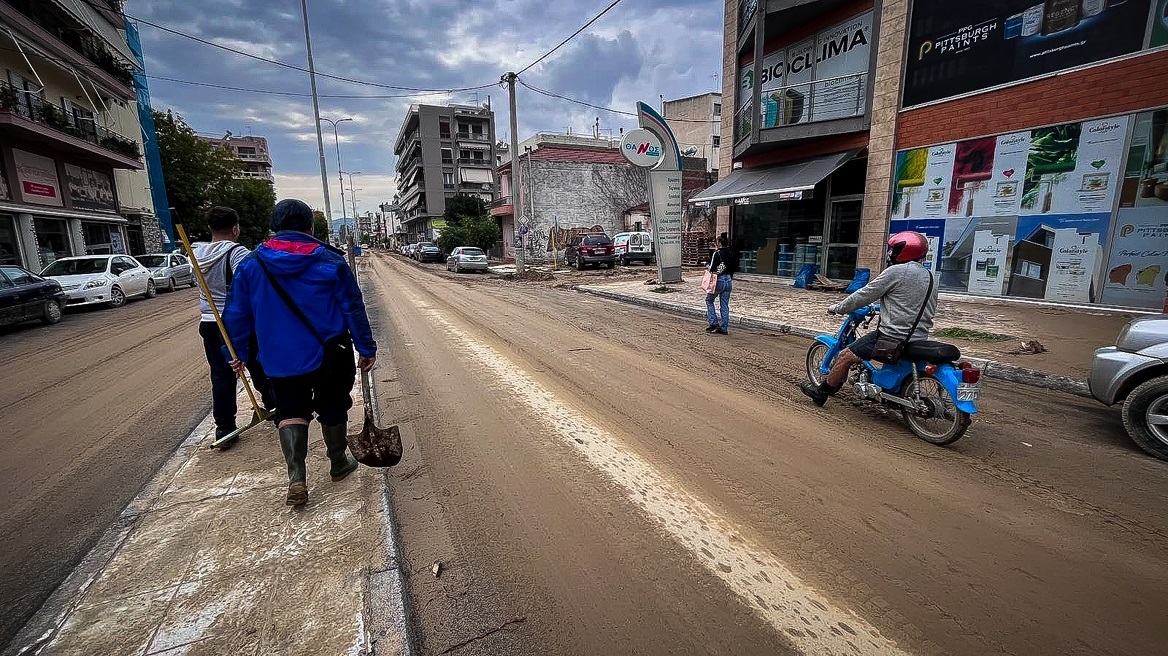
(219, 260)
(300, 299)
(724, 264)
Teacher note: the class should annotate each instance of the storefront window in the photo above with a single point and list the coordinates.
(844, 239)
(778, 238)
(8, 252)
(52, 239)
(97, 239)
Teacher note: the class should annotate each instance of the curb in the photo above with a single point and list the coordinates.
(990, 368)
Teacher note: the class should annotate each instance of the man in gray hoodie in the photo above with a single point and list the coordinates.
(219, 260)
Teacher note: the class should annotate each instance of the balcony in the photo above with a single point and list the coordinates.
(474, 136)
(30, 117)
(71, 43)
(469, 161)
(404, 167)
(793, 113)
(501, 206)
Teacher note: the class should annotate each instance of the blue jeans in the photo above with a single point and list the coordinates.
(722, 292)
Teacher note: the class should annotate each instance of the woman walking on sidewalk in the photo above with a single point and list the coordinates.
(723, 264)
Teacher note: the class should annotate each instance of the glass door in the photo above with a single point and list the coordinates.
(843, 238)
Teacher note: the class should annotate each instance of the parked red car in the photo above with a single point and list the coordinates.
(593, 249)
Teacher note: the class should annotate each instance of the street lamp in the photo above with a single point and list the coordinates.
(352, 197)
(337, 139)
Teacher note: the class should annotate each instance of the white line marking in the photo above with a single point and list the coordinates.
(801, 614)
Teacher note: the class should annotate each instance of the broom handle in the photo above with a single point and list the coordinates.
(182, 234)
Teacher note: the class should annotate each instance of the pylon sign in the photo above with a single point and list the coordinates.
(654, 147)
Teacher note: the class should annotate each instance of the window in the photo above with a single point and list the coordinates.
(18, 275)
(8, 253)
(477, 128)
(52, 237)
(717, 109)
(97, 239)
(181, 260)
(465, 154)
(5, 283)
(717, 141)
(448, 178)
(443, 127)
(447, 156)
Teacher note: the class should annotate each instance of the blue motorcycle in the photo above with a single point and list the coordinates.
(934, 393)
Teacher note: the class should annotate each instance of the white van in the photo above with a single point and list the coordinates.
(633, 246)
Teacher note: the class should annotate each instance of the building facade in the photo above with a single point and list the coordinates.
(442, 151)
(1026, 141)
(251, 151)
(70, 142)
(697, 124)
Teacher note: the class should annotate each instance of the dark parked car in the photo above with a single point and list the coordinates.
(25, 296)
(592, 249)
(427, 252)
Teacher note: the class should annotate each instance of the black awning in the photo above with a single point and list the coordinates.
(785, 182)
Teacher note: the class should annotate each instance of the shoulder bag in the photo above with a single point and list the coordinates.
(710, 279)
(338, 351)
(887, 349)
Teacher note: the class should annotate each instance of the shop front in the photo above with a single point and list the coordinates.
(53, 239)
(1070, 213)
(9, 246)
(791, 215)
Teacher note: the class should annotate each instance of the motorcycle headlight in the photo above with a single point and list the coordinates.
(100, 282)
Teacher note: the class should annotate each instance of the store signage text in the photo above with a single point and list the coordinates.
(959, 41)
(840, 40)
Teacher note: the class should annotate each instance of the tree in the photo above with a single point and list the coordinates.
(464, 206)
(253, 200)
(482, 232)
(320, 226)
(194, 171)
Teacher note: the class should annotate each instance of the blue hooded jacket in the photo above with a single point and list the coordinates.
(319, 281)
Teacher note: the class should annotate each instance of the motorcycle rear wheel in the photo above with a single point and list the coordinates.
(946, 424)
(815, 356)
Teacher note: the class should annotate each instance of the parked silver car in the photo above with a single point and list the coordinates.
(108, 279)
(466, 258)
(1134, 372)
(169, 269)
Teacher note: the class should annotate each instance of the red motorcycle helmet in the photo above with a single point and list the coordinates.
(907, 246)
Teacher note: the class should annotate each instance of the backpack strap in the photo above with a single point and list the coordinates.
(283, 294)
(229, 275)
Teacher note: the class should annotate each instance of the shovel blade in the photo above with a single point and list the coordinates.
(256, 420)
(376, 447)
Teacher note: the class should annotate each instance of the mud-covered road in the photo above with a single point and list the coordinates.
(595, 478)
(89, 409)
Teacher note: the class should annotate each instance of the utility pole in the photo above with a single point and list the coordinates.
(516, 183)
(340, 167)
(316, 113)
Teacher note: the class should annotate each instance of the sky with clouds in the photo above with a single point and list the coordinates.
(639, 50)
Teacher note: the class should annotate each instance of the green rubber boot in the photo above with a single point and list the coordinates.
(342, 464)
(294, 444)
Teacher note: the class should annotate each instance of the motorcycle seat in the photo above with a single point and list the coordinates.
(930, 351)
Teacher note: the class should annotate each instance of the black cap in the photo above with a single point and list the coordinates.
(292, 214)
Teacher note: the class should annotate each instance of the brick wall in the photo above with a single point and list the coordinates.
(1126, 86)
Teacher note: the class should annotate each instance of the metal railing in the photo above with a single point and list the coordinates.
(45, 16)
(474, 162)
(413, 161)
(39, 110)
(843, 96)
(499, 202)
(473, 136)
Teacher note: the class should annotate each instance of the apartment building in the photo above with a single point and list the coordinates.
(442, 151)
(70, 141)
(251, 151)
(696, 121)
(1028, 142)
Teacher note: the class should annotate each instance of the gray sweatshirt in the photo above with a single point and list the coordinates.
(212, 260)
(901, 290)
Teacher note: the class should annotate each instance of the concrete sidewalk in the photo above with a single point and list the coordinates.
(208, 560)
(1070, 335)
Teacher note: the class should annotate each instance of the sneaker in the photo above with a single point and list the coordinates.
(220, 433)
(720, 331)
(712, 327)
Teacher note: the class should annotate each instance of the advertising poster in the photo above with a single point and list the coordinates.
(957, 247)
(37, 178)
(973, 167)
(842, 54)
(90, 190)
(1072, 266)
(988, 274)
(743, 121)
(1098, 161)
(1145, 182)
(934, 229)
(1137, 266)
(962, 47)
(1002, 193)
(938, 180)
(910, 178)
(1159, 25)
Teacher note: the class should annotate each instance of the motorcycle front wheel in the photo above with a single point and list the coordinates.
(942, 423)
(815, 356)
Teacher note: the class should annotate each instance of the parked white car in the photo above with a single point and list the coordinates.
(109, 279)
(466, 258)
(633, 246)
(170, 270)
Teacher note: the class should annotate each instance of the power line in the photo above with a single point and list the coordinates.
(291, 93)
(572, 36)
(608, 109)
(276, 62)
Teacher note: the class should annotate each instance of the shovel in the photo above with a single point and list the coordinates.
(373, 446)
(258, 416)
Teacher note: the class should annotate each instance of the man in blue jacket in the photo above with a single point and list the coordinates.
(299, 298)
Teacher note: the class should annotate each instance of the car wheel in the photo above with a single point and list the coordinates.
(117, 297)
(193, 280)
(52, 313)
(151, 289)
(579, 264)
(170, 287)
(1145, 416)
(458, 268)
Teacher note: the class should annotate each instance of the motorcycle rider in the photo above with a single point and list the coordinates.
(902, 288)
